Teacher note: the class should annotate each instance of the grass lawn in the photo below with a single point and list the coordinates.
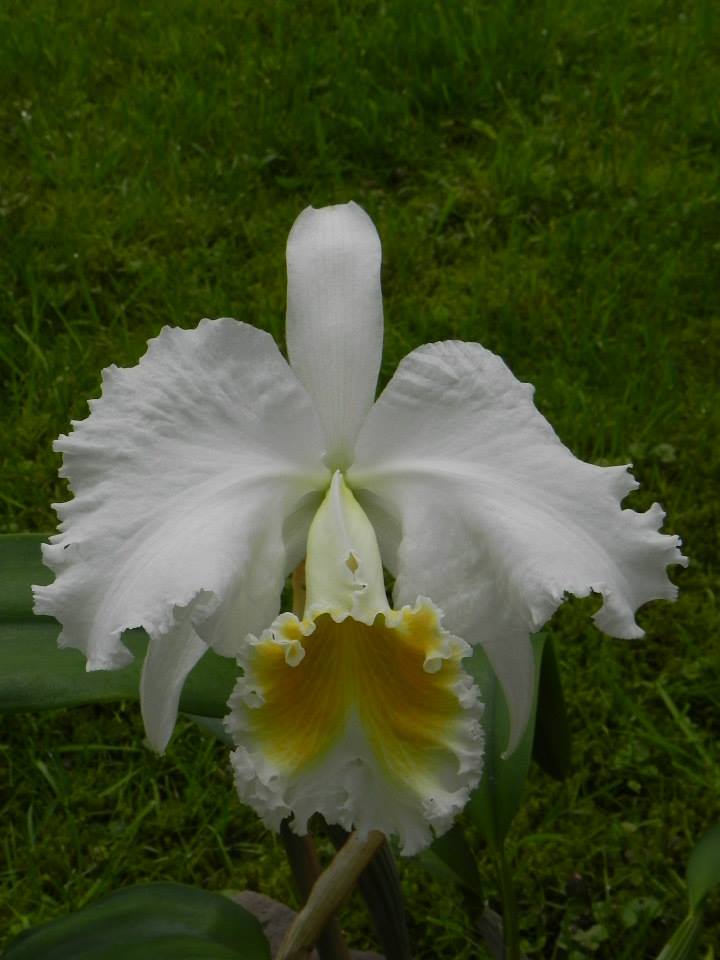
(545, 180)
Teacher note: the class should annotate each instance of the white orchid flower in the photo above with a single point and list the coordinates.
(204, 475)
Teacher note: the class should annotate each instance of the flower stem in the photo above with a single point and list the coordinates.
(511, 933)
(328, 893)
(306, 869)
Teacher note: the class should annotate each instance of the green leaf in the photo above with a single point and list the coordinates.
(682, 945)
(20, 567)
(551, 744)
(36, 675)
(450, 858)
(148, 922)
(165, 948)
(495, 802)
(703, 872)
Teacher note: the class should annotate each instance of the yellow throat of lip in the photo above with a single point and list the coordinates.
(389, 674)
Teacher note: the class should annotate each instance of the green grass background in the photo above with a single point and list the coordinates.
(545, 180)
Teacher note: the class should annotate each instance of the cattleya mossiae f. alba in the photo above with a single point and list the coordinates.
(207, 473)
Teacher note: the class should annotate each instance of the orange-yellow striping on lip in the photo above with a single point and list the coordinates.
(407, 713)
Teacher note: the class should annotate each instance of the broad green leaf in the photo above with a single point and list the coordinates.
(551, 744)
(20, 566)
(148, 922)
(703, 872)
(495, 802)
(165, 948)
(36, 675)
(450, 858)
(682, 945)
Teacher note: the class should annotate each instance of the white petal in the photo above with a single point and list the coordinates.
(334, 318)
(169, 659)
(193, 477)
(498, 519)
